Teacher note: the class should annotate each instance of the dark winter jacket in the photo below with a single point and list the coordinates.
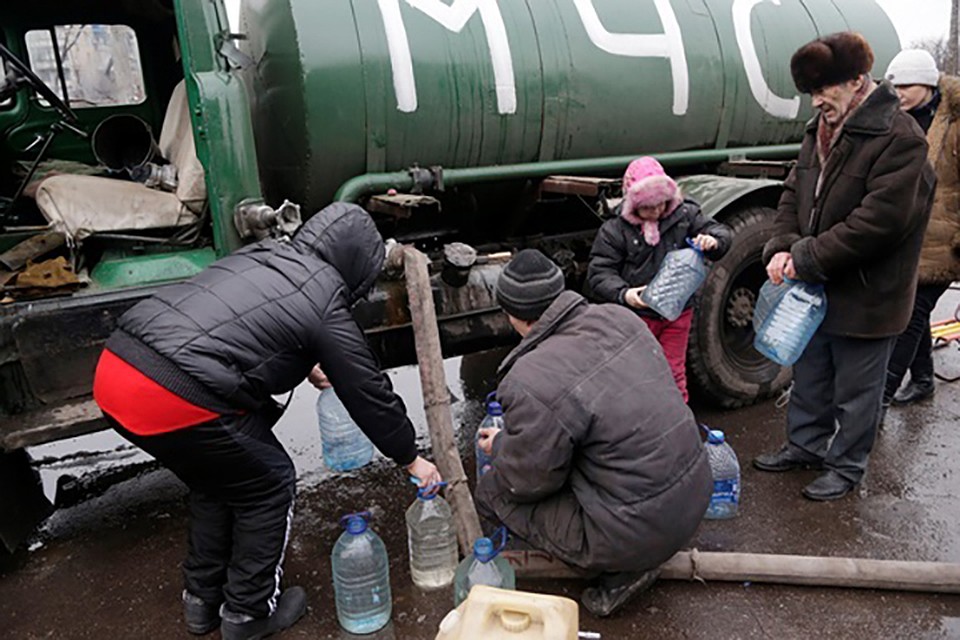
(591, 408)
(254, 323)
(940, 256)
(861, 235)
(621, 259)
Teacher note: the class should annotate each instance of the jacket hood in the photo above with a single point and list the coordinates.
(345, 237)
(543, 328)
(950, 91)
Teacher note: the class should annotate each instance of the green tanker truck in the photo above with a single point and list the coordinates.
(142, 139)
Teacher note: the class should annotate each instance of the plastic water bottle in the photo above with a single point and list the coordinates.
(493, 418)
(786, 317)
(345, 447)
(679, 277)
(483, 566)
(432, 541)
(725, 501)
(361, 577)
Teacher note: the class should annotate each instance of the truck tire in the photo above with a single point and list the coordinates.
(722, 364)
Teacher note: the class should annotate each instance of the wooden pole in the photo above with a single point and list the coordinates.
(931, 577)
(436, 397)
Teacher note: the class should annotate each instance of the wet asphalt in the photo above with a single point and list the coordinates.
(106, 564)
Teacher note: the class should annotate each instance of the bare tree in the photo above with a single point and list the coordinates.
(951, 65)
(937, 48)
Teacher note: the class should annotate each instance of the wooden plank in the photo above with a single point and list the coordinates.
(576, 185)
(48, 424)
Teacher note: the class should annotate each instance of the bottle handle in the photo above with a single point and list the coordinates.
(502, 533)
(694, 246)
(422, 491)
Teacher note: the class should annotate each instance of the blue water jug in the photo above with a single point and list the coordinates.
(725, 500)
(361, 577)
(345, 447)
(493, 418)
(679, 277)
(785, 318)
(483, 566)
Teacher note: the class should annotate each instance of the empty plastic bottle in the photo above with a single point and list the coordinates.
(345, 446)
(493, 418)
(679, 277)
(432, 540)
(361, 577)
(725, 501)
(785, 318)
(483, 566)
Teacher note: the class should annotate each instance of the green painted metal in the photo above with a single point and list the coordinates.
(118, 269)
(221, 118)
(329, 101)
(715, 193)
(360, 186)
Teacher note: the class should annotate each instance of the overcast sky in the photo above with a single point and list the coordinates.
(914, 19)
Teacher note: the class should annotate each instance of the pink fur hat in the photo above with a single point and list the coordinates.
(646, 184)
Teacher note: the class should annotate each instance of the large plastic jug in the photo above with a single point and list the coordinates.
(785, 318)
(345, 447)
(361, 577)
(493, 418)
(498, 614)
(679, 277)
(432, 541)
(725, 500)
(483, 566)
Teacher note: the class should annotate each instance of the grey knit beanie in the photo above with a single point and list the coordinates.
(529, 284)
(913, 66)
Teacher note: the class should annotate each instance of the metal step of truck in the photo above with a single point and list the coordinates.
(50, 423)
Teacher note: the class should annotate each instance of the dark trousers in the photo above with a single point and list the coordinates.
(914, 350)
(242, 486)
(836, 400)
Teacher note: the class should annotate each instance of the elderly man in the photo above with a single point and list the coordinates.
(934, 102)
(600, 463)
(852, 216)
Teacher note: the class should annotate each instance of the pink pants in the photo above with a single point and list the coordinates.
(673, 338)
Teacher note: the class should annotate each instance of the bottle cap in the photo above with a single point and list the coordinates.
(494, 408)
(483, 549)
(715, 436)
(355, 523)
(427, 492)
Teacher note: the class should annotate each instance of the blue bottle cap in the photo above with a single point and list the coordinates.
(715, 436)
(494, 408)
(483, 550)
(355, 523)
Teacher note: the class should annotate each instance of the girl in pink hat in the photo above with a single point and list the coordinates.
(652, 220)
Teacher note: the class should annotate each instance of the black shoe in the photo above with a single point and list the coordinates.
(787, 459)
(915, 391)
(829, 486)
(201, 617)
(290, 608)
(613, 590)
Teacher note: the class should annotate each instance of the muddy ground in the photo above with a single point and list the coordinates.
(106, 564)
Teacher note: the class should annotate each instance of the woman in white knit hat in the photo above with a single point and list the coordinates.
(934, 101)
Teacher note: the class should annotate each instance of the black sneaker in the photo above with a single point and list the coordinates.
(201, 617)
(290, 608)
(613, 590)
(787, 459)
(915, 391)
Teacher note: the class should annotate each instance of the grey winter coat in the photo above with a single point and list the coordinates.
(600, 462)
(254, 323)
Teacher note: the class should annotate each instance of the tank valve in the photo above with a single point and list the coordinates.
(458, 258)
(259, 220)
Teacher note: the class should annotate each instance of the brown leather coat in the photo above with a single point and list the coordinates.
(861, 234)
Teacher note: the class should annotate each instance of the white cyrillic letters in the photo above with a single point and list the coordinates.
(668, 45)
(453, 17)
(771, 103)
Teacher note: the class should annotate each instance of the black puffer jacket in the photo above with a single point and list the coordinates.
(254, 323)
(622, 259)
(592, 409)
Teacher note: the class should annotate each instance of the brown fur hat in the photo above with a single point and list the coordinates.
(833, 59)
